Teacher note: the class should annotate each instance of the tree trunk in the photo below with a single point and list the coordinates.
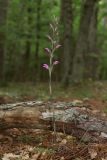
(38, 29)
(67, 21)
(92, 56)
(3, 13)
(104, 10)
(26, 55)
(84, 44)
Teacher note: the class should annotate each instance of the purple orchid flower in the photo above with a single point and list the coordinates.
(47, 50)
(55, 62)
(45, 66)
(58, 46)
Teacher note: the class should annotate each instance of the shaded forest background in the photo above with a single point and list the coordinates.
(83, 36)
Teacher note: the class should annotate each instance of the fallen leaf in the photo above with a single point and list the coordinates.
(92, 153)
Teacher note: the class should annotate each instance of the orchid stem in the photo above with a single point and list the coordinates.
(50, 84)
(54, 45)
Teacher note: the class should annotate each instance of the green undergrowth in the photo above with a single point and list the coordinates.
(40, 91)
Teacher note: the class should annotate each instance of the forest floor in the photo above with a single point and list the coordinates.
(31, 144)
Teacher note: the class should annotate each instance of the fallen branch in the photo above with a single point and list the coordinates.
(73, 120)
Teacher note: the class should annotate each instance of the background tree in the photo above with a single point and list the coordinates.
(3, 15)
(92, 56)
(102, 39)
(67, 41)
(38, 30)
(28, 44)
(87, 21)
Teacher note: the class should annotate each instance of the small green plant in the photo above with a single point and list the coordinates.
(105, 110)
(27, 139)
(42, 149)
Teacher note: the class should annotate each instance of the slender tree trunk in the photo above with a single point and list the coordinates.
(83, 40)
(3, 13)
(102, 42)
(92, 56)
(38, 27)
(26, 55)
(38, 30)
(104, 10)
(67, 21)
